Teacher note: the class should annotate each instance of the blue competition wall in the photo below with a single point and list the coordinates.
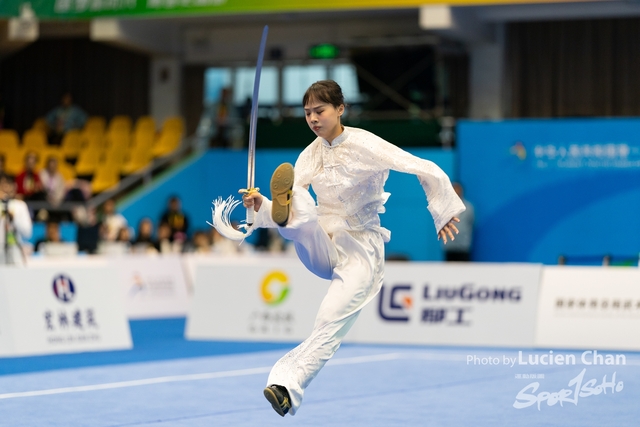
(223, 172)
(542, 188)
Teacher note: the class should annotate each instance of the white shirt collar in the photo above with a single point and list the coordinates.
(338, 140)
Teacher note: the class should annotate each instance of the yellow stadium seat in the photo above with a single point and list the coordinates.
(141, 157)
(93, 141)
(41, 124)
(34, 139)
(9, 140)
(167, 143)
(14, 161)
(90, 156)
(67, 171)
(174, 123)
(145, 123)
(106, 176)
(120, 123)
(118, 139)
(71, 144)
(95, 123)
(115, 156)
(145, 136)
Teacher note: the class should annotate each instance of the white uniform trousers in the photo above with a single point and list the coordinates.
(354, 262)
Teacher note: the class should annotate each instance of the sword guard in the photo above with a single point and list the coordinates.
(249, 190)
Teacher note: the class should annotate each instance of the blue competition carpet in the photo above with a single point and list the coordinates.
(166, 381)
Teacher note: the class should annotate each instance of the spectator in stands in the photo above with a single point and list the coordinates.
(111, 221)
(15, 223)
(52, 235)
(53, 182)
(144, 237)
(269, 240)
(460, 248)
(28, 181)
(176, 219)
(226, 247)
(223, 120)
(200, 243)
(164, 244)
(124, 235)
(63, 118)
(88, 229)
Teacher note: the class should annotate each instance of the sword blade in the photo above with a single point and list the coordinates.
(254, 112)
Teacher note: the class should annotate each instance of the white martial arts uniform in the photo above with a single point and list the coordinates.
(341, 239)
(21, 227)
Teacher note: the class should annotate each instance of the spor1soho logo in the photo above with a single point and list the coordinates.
(440, 305)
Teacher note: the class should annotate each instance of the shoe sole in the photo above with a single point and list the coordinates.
(281, 184)
(273, 399)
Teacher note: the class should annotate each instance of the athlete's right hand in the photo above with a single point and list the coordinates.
(252, 199)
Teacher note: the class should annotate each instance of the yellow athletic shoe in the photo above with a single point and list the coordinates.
(281, 192)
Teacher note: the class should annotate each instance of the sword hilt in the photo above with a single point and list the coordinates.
(250, 211)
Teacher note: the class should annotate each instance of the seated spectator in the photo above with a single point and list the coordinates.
(200, 243)
(88, 229)
(57, 189)
(63, 118)
(224, 246)
(53, 182)
(124, 235)
(144, 237)
(164, 244)
(176, 219)
(52, 235)
(269, 240)
(28, 181)
(111, 221)
(15, 223)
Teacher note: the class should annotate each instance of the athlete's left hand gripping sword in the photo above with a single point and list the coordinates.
(222, 208)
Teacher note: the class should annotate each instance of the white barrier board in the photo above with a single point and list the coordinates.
(452, 304)
(260, 300)
(61, 309)
(589, 308)
(152, 286)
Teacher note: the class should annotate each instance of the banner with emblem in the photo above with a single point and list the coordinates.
(61, 309)
(152, 286)
(256, 300)
(452, 304)
(589, 307)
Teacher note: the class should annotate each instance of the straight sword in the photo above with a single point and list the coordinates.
(251, 168)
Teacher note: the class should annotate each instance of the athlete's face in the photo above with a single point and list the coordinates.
(324, 119)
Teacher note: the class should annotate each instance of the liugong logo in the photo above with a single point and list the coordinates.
(441, 305)
(399, 302)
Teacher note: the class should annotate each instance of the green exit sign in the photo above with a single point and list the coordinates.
(324, 51)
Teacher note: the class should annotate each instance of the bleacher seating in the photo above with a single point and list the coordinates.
(71, 144)
(34, 139)
(102, 151)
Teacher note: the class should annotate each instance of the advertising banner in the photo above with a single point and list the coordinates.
(93, 8)
(453, 304)
(61, 309)
(262, 300)
(153, 286)
(589, 307)
(540, 183)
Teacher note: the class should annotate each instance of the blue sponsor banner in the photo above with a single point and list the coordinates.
(545, 188)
